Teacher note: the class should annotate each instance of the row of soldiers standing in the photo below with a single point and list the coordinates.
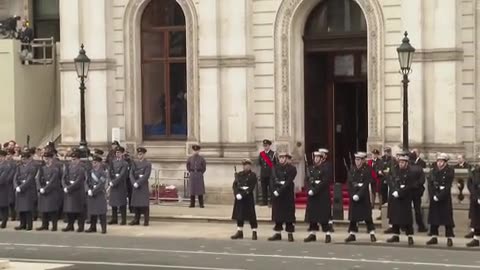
(76, 188)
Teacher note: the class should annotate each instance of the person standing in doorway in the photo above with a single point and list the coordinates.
(266, 161)
(196, 167)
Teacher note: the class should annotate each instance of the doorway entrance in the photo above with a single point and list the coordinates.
(336, 115)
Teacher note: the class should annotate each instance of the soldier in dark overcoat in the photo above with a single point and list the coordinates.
(244, 206)
(96, 195)
(139, 176)
(74, 202)
(266, 160)
(283, 198)
(26, 191)
(49, 187)
(118, 188)
(196, 167)
(441, 210)
(463, 164)
(11, 196)
(319, 205)
(387, 160)
(4, 188)
(473, 185)
(401, 184)
(360, 207)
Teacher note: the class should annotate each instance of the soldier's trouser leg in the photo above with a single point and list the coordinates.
(13, 212)
(396, 229)
(434, 230)
(123, 214)
(278, 227)
(146, 216)
(114, 219)
(253, 223)
(289, 227)
(200, 201)
(4, 216)
(35, 211)
(93, 223)
(53, 216)
(326, 227)
(129, 196)
(138, 212)
(44, 222)
(103, 223)
(384, 191)
(81, 221)
(449, 232)
(353, 227)
(240, 223)
(23, 221)
(313, 227)
(265, 181)
(370, 225)
(476, 232)
(29, 219)
(192, 201)
(417, 205)
(408, 229)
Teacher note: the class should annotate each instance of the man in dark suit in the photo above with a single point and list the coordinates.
(418, 190)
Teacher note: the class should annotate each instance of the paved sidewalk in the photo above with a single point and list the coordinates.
(219, 213)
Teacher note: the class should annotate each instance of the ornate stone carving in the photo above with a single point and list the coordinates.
(283, 64)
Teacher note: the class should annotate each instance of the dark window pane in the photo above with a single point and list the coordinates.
(46, 9)
(48, 29)
(154, 120)
(153, 44)
(178, 99)
(178, 46)
(163, 13)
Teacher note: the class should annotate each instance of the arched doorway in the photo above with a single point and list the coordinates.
(335, 68)
(164, 72)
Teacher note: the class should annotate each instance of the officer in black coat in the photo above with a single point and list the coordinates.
(463, 164)
(473, 185)
(50, 190)
(283, 198)
(418, 190)
(26, 191)
(319, 205)
(441, 210)
(401, 184)
(360, 207)
(244, 205)
(4, 188)
(387, 160)
(266, 160)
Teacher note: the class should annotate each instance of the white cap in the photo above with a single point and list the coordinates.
(317, 153)
(404, 158)
(443, 156)
(360, 155)
(323, 150)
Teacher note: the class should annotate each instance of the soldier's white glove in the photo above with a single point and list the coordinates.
(478, 201)
(110, 184)
(395, 194)
(239, 196)
(276, 193)
(135, 185)
(435, 198)
(90, 193)
(356, 197)
(65, 190)
(310, 193)
(18, 189)
(42, 191)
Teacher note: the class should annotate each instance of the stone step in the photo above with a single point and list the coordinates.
(36, 266)
(4, 264)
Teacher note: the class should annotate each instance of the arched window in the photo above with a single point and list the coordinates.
(164, 76)
(335, 16)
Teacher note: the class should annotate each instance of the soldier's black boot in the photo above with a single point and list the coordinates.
(254, 235)
(237, 235)
(310, 238)
(200, 201)
(103, 223)
(373, 238)
(290, 237)
(432, 241)
(93, 224)
(13, 213)
(350, 238)
(54, 218)
(388, 231)
(29, 221)
(146, 216)
(123, 214)
(81, 222)
(328, 238)
(192, 202)
(469, 235)
(4, 214)
(449, 242)
(114, 219)
(22, 225)
(44, 226)
(136, 219)
(275, 237)
(410, 241)
(393, 239)
(473, 243)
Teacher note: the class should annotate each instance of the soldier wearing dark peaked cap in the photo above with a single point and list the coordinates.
(139, 176)
(25, 188)
(118, 187)
(196, 166)
(74, 205)
(4, 188)
(266, 160)
(360, 207)
(96, 195)
(244, 205)
(50, 189)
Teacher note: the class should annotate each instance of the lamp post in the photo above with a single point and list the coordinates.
(82, 64)
(405, 57)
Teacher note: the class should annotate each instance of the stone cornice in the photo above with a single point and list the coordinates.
(95, 64)
(435, 55)
(226, 61)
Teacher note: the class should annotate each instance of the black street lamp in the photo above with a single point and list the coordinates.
(82, 64)
(405, 57)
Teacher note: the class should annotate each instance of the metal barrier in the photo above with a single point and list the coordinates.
(39, 51)
(169, 189)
